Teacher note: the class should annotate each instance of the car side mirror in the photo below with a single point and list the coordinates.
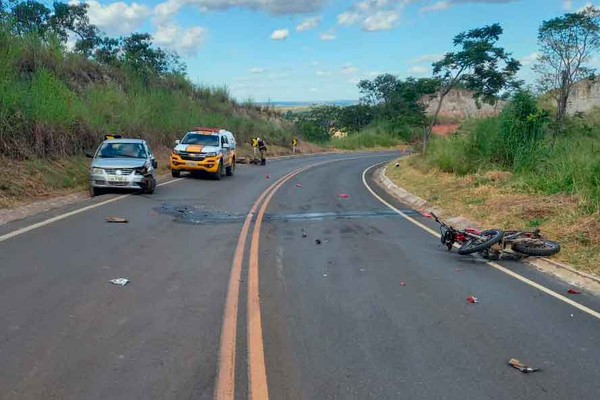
(154, 164)
(89, 155)
(177, 141)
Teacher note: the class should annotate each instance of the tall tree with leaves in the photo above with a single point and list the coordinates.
(567, 44)
(478, 64)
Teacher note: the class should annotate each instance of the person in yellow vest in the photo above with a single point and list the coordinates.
(262, 147)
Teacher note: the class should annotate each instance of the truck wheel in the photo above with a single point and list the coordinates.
(231, 169)
(219, 173)
(175, 174)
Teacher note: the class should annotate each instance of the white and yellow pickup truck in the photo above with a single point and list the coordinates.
(208, 150)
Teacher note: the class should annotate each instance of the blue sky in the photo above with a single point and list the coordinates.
(316, 50)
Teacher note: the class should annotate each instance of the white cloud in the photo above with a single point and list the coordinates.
(117, 18)
(349, 69)
(418, 70)
(529, 59)
(314, 89)
(381, 20)
(257, 70)
(325, 36)
(427, 58)
(185, 41)
(323, 73)
(373, 15)
(280, 34)
(348, 18)
(308, 24)
(314, 63)
(439, 6)
(274, 7)
(567, 5)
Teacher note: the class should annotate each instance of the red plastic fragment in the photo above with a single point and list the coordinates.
(472, 300)
(343, 196)
(573, 291)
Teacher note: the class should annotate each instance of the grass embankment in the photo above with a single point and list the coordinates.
(56, 105)
(505, 172)
(378, 135)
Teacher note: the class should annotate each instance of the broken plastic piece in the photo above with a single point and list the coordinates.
(119, 281)
(117, 220)
(298, 185)
(402, 284)
(513, 362)
(267, 176)
(425, 214)
(573, 291)
(343, 196)
(472, 300)
(318, 241)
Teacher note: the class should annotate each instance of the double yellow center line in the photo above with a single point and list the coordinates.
(257, 375)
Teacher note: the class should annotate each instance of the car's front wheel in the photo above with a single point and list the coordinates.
(219, 174)
(175, 174)
(94, 191)
(150, 186)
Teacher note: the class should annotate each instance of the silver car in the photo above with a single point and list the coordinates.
(123, 164)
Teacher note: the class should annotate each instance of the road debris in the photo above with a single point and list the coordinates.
(343, 196)
(456, 269)
(402, 283)
(397, 164)
(119, 281)
(318, 241)
(472, 300)
(117, 220)
(298, 185)
(513, 362)
(267, 176)
(304, 233)
(573, 291)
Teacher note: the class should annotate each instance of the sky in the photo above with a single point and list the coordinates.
(318, 50)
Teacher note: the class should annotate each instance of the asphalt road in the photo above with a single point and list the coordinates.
(376, 311)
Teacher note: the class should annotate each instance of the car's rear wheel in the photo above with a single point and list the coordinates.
(175, 174)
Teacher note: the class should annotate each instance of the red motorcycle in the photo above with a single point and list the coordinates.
(470, 240)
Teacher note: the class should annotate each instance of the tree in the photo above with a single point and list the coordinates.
(478, 64)
(30, 16)
(73, 18)
(566, 46)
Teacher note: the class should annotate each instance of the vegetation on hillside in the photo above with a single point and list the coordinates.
(59, 101)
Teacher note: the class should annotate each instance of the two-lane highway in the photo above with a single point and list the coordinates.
(232, 297)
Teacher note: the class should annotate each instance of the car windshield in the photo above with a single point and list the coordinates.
(117, 150)
(198, 138)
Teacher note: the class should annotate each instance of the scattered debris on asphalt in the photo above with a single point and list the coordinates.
(298, 185)
(117, 220)
(425, 214)
(267, 176)
(456, 269)
(119, 281)
(402, 283)
(324, 274)
(343, 196)
(472, 300)
(318, 241)
(513, 362)
(573, 291)
(304, 233)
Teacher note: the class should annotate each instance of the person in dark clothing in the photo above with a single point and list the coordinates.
(262, 147)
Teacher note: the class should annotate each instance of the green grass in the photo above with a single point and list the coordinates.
(365, 140)
(520, 141)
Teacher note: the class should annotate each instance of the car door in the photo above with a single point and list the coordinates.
(226, 151)
(152, 159)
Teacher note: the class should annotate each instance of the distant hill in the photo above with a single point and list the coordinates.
(302, 104)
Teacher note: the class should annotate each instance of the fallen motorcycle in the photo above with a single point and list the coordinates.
(470, 240)
(522, 244)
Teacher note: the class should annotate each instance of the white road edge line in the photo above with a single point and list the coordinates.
(70, 214)
(499, 267)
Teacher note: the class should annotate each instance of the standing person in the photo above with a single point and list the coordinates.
(262, 147)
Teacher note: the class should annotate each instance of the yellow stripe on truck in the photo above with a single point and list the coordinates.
(194, 149)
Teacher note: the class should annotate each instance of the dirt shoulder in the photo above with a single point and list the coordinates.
(494, 199)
